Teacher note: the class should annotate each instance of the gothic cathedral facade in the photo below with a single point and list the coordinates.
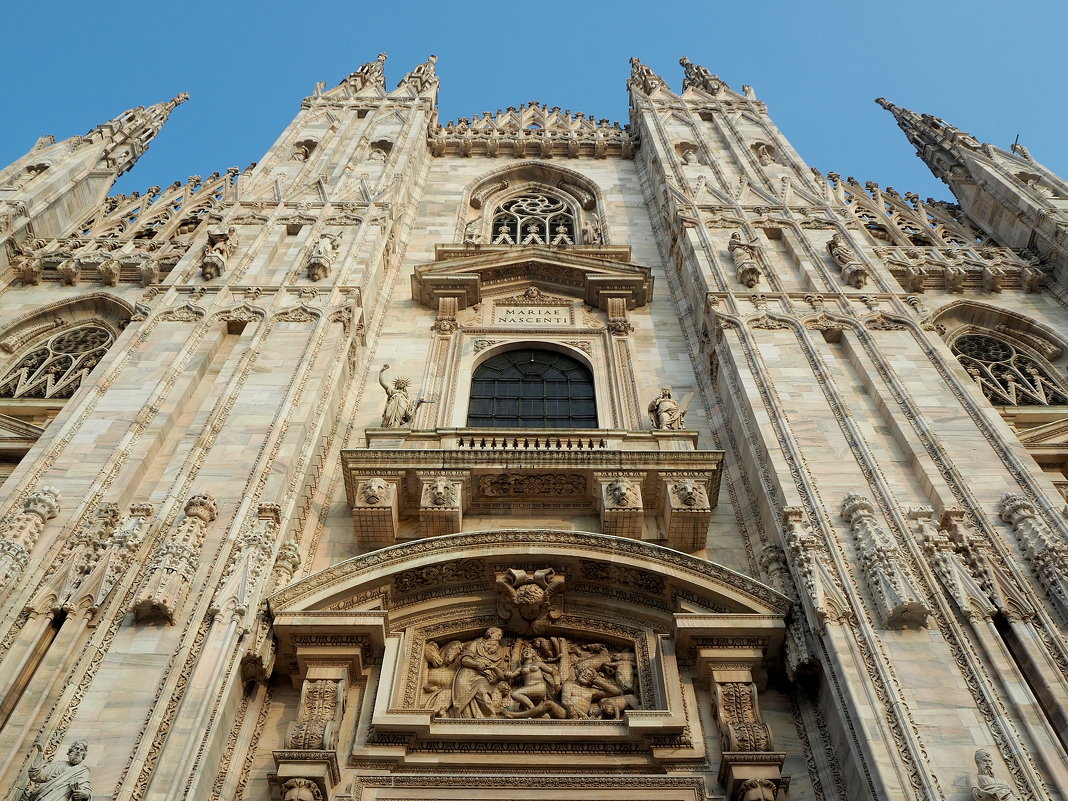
(532, 456)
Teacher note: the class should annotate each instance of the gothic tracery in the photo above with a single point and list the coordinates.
(55, 368)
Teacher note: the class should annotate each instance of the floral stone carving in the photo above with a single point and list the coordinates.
(558, 678)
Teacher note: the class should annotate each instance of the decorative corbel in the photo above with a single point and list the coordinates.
(686, 510)
(620, 501)
(440, 503)
(376, 515)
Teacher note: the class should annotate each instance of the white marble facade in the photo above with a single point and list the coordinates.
(785, 520)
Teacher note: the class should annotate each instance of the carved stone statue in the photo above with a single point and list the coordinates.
(322, 256)
(60, 781)
(853, 272)
(745, 260)
(530, 603)
(400, 408)
(664, 412)
(370, 74)
(988, 788)
(222, 242)
(699, 77)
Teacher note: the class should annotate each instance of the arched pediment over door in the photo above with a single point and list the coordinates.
(535, 636)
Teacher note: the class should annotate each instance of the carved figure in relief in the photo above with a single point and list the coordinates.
(479, 670)
(374, 491)
(322, 256)
(440, 672)
(988, 788)
(400, 408)
(853, 272)
(665, 412)
(530, 603)
(690, 493)
(592, 233)
(623, 493)
(538, 680)
(60, 781)
(442, 493)
(546, 677)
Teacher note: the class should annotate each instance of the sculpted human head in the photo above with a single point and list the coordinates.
(76, 752)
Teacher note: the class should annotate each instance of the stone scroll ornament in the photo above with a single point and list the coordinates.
(400, 406)
(552, 677)
(530, 602)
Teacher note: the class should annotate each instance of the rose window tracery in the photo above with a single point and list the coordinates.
(56, 367)
(533, 219)
(1007, 376)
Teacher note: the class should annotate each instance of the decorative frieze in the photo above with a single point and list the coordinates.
(171, 570)
(531, 131)
(21, 532)
(892, 589)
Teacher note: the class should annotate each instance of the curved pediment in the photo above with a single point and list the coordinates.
(647, 575)
(595, 274)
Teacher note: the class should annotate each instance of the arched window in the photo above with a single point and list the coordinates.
(1007, 376)
(55, 368)
(532, 389)
(533, 219)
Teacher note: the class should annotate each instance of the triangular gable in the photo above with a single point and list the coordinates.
(595, 274)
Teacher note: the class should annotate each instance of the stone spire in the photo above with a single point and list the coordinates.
(128, 135)
(1008, 195)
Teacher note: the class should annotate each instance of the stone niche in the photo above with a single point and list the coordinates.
(483, 651)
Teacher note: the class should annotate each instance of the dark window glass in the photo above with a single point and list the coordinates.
(532, 389)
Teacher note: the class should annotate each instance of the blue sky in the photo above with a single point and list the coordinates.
(993, 69)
